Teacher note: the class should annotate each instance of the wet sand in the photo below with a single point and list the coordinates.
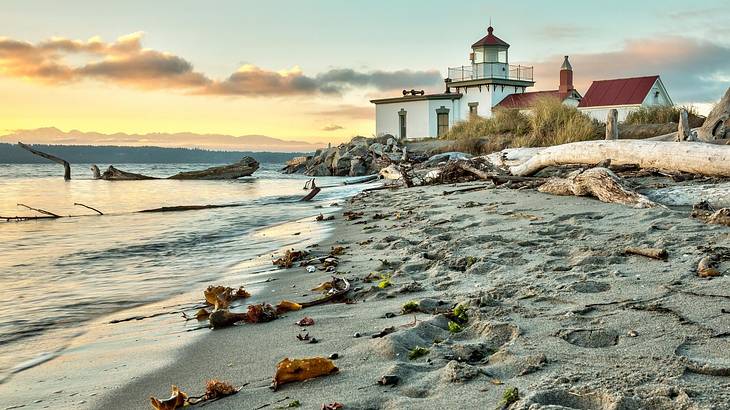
(555, 309)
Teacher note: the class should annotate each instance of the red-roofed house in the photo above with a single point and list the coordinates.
(625, 95)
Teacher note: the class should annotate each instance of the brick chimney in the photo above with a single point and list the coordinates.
(566, 79)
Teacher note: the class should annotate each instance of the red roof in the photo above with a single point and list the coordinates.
(525, 100)
(622, 91)
(490, 40)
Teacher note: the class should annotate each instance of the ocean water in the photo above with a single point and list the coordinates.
(56, 275)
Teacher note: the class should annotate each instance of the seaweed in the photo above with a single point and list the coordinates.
(410, 307)
(509, 396)
(417, 352)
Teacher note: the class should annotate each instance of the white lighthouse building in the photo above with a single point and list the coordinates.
(470, 90)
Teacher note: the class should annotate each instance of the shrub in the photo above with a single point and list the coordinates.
(502, 121)
(662, 114)
(553, 123)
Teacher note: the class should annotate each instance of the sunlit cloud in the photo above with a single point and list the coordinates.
(692, 70)
(333, 127)
(126, 63)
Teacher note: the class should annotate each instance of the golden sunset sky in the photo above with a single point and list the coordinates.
(305, 70)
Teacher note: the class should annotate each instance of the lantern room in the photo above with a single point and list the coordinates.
(490, 49)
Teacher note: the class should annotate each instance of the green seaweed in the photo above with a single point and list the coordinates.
(409, 307)
(455, 327)
(470, 260)
(417, 352)
(384, 281)
(509, 396)
(459, 314)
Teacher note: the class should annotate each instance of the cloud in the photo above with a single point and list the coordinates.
(354, 112)
(692, 70)
(333, 127)
(125, 62)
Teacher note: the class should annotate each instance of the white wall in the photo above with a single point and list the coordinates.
(600, 113)
(486, 97)
(421, 118)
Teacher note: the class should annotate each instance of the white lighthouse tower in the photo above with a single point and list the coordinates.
(489, 78)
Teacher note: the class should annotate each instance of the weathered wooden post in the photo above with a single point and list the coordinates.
(683, 128)
(612, 124)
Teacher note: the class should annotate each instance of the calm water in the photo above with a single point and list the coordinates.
(57, 274)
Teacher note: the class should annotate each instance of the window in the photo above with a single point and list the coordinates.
(442, 121)
(473, 109)
(402, 123)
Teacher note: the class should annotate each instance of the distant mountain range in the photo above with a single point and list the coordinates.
(249, 143)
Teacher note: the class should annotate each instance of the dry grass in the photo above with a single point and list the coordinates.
(663, 115)
(551, 123)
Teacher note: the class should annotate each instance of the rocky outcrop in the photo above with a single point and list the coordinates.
(361, 156)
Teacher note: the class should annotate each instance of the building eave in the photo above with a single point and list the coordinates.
(407, 98)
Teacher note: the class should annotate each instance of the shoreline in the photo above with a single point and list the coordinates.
(555, 309)
(64, 377)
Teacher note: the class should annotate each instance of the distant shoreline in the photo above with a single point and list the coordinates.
(114, 154)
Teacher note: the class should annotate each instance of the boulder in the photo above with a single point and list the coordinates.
(296, 164)
(358, 167)
(377, 148)
(319, 170)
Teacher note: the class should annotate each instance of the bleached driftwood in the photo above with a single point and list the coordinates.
(510, 157)
(597, 182)
(717, 195)
(66, 165)
(702, 159)
(612, 124)
(717, 123)
(683, 131)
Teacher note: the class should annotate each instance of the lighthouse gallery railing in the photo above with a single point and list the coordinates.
(491, 70)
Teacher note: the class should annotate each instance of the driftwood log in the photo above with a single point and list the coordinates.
(597, 182)
(701, 159)
(66, 165)
(716, 195)
(654, 253)
(717, 123)
(243, 168)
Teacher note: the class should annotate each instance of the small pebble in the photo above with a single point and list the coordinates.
(313, 340)
(389, 380)
(356, 335)
(632, 333)
(334, 356)
(389, 315)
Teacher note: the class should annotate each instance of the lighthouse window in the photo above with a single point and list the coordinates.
(473, 109)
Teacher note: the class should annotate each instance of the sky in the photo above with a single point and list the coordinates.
(306, 70)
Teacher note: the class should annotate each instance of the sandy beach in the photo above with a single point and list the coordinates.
(555, 309)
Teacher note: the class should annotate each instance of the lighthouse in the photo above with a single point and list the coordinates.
(489, 78)
(470, 90)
